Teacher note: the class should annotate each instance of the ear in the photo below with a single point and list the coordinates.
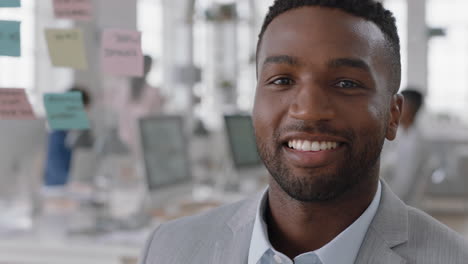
(396, 109)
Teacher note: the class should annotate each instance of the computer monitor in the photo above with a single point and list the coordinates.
(165, 152)
(241, 139)
(250, 173)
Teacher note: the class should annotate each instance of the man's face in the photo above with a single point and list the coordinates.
(323, 106)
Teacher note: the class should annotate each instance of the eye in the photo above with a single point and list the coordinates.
(282, 81)
(347, 84)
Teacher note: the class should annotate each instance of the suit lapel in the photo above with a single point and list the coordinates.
(234, 243)
(388, 229)
(375, 250)
(235, 249)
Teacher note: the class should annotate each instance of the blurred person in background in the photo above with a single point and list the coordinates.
(404, 160)
(413, 101)
(140, 100)
(60, 147)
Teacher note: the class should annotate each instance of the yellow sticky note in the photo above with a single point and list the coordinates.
(66, 48)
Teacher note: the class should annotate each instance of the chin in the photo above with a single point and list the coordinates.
(315, 186)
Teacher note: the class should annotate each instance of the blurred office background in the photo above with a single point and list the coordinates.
(194, 150)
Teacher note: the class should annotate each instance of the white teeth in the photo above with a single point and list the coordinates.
(299, 144)
(315, 146)
(323, 146)
(305, 145)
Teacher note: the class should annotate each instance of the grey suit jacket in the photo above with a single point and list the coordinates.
(398, 234)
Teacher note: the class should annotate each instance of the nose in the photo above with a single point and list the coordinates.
(312, 103)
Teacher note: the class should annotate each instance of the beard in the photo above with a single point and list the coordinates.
(323, 184)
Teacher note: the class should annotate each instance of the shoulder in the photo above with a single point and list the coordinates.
(214, 219)
(431, 240)
(413, 234)
(189, 235)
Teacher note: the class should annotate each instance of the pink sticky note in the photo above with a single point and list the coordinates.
(121, 52)
(14, 105)
(73, 9)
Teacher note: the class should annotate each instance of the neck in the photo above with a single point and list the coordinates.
(296, 227)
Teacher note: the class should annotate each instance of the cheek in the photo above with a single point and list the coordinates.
(260, 118)
(379, 118)
(364, 114)
(268, 111)
(375, 113)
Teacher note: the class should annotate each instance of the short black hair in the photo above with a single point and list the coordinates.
(147, 63)
(370, 10)
(84, 94)
(414, 98)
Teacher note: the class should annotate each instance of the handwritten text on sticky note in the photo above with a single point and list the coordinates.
(73, 9)
(10, 38)
(66, 48)
(14, 105)
(66, 111)
(10, 3)
(121, 52)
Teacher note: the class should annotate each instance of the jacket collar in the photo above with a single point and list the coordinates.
(388, 230)
(245, 215)
(391, 219)
(233, 245)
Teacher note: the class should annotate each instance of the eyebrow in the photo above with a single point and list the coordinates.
(280, 59)
(335, 63)
(349, 62)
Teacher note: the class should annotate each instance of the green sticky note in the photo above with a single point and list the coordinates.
(10, 38)
(10, 3)
(66, 48)
(66, 111)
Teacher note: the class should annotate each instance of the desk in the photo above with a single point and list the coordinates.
(33, 250)
(120, 247)
(53, 240)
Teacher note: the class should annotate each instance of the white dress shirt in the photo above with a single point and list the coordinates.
(343, 249)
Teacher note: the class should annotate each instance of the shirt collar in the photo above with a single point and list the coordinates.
(347, 242)
(259, 243)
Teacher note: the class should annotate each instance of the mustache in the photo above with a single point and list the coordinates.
(314, 128)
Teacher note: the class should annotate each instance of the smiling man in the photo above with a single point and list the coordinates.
(326, 99)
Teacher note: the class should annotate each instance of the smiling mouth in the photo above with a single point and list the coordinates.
(312, 146)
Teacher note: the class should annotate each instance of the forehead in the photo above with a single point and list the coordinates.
(314, 33)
